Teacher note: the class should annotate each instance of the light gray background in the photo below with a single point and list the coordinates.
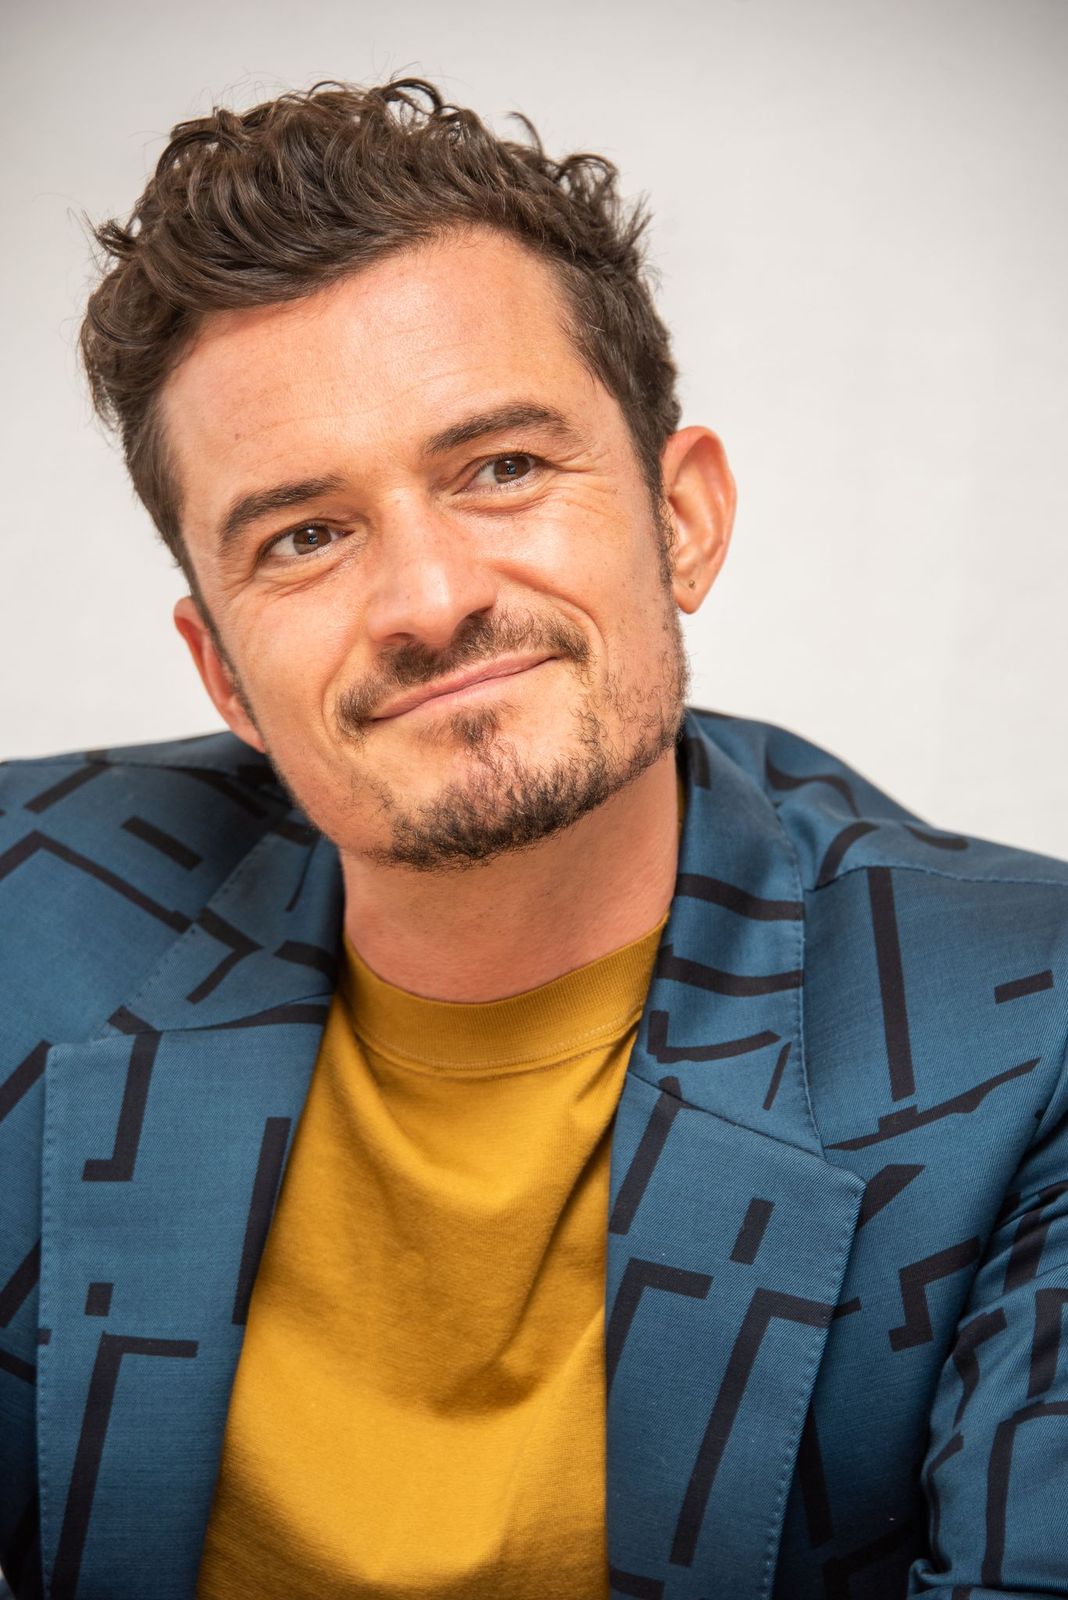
(861, 233)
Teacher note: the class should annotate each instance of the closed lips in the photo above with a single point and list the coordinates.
(504, 667)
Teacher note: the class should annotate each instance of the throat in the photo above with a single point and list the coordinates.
(526, 916)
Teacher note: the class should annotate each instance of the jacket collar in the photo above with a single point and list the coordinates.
(267, 939)
(166, 1140)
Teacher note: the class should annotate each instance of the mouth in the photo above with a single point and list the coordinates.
(475, 683)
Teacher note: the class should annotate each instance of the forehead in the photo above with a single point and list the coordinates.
(392, 351)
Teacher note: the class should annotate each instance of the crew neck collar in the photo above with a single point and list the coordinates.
(562, 1018)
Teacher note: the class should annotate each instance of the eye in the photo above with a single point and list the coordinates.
(505, 470)
(304, 541)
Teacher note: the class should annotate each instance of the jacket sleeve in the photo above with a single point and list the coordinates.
(996, 1471)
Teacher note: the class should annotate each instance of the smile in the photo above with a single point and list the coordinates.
(476, 683)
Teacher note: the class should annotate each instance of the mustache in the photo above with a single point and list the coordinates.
(480, 637)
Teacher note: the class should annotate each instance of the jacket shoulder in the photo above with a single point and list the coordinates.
(219, 752)
(839, 821)
(174, 775)
(935, 964)
(106, 856)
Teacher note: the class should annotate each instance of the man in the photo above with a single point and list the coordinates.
(660, 1130)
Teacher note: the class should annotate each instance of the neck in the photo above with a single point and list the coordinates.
(487, 932)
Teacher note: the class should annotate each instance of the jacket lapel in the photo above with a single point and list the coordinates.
(165, 1142)
(728, 1231)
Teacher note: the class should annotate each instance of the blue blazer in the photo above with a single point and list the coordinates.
(837, 1243)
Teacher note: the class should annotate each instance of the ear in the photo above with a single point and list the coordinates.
(701, 496)
(215, 673)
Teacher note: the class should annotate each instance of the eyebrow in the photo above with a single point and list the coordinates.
(257, 503)
(249, 508)
(519, 414)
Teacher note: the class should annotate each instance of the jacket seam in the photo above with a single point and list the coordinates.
(743, 1127)
(80, 758)
(1058, 1094)
(933, 872)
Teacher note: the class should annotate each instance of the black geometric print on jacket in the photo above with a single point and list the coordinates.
(837, 1247)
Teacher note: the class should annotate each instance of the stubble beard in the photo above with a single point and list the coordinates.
(505, 803)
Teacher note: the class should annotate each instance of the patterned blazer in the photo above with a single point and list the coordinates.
(837, 1244)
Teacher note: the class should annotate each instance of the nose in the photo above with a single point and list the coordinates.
(430, 576)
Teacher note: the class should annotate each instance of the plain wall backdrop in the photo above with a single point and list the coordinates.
(861, 235)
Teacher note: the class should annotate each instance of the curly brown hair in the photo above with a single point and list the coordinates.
(254, 208)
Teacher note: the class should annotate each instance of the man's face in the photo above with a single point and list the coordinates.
(430, 555)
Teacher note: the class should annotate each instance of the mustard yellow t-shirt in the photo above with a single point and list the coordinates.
(419, 1405)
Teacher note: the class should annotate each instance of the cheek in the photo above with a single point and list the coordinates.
(298, 651)
(593, 549)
